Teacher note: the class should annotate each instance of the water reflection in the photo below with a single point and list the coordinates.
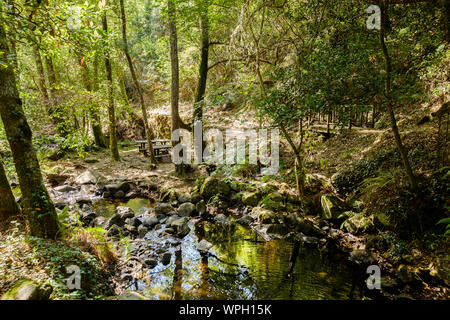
(238, 267)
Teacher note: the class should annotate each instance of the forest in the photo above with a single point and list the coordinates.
(224, 149)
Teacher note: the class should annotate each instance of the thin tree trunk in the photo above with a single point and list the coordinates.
(36, 203)
(148, 132)
(175, 91)
(99, 138)
(41, 80)
(398, 139)
(203, 69)
(111, 110)
(8, 204)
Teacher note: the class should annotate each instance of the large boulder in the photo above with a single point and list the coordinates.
(213, 186)
(187, 209)
(332, 207)
(88, 177)
(251, 198)
(25, 289)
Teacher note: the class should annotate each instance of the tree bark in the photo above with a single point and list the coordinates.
(99, 138)
(36, 203)
(41, 80)
(111, 110)
(394, 127)
(203, 69)
(8, 204)
(175, 90)
(148, 131)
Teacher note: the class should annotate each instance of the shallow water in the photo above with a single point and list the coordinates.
(240, 266)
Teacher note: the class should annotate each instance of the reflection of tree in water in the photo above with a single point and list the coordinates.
(177, 275)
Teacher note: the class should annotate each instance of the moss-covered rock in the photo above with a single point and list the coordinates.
(264, 216)
(357, 222)
(251, 198)
(273, 201)
(213, 186)
(331, 206)
(383, 219)
(25, 289)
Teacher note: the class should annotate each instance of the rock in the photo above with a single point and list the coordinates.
(88, 177)
(122, 186)
(383, 219)
(84, 200)
(91, 160)
(183, 198)
(165, 259)
(163, 208)
(245, 220)
(150, 222)
(273, 201)
(171, 219)
(61, 204)
(131, 229)
(200, 207)
(187, 209)
(119, 194)
(204, 246)
(135, 222)
(406, 274)
(310, 240)
(332, 207)
(115, 220)
(251, 198)
(128, 296)
(55, 154)
(314, 184)
(181, 227)
(277, 229)
(125, 212)
(196, 198)
(142, 230)
(65, 189)
(87, 216)
(213, 186)
(126, 277)
(221, 218)
(25, 289)
(362, 257)
(264, 216)
(151, 263)
(357, 222)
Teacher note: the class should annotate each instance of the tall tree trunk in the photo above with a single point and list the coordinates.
(8, 204)
(175, 90)
(99, 138)
(148, 132)
(36, 203)
(398, 139)
(41, 80)
(203, 69)
(111, 110)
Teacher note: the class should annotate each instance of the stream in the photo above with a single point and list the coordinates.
(239, 265)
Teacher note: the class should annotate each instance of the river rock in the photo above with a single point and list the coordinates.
(163, 208)
(165, 259)
(142, 230)
(200, 207)
(124, 186)
(308, 228)
(151, 263)
(357, 222)
(245, 220)
(135, 222)
(88, 177)
(125, 212)
(221, 218)
(119, 194)
(183, 198)
(196, 197)
(331, 206)
(204, 246)
(25, 289)
(115, 220)
(362, 257)
(65, 189)
(150, 222)
(181, 227)
(264, 216)
(186, 210)
(277, 229)
(213, 186)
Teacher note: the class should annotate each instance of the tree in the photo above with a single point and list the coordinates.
(148, 132)
(36, 203)
(8, 204)
(175, 70)
(111, 109)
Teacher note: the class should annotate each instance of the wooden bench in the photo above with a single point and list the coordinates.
(161, 150)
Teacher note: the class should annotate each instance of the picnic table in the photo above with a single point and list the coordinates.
(160, 146)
